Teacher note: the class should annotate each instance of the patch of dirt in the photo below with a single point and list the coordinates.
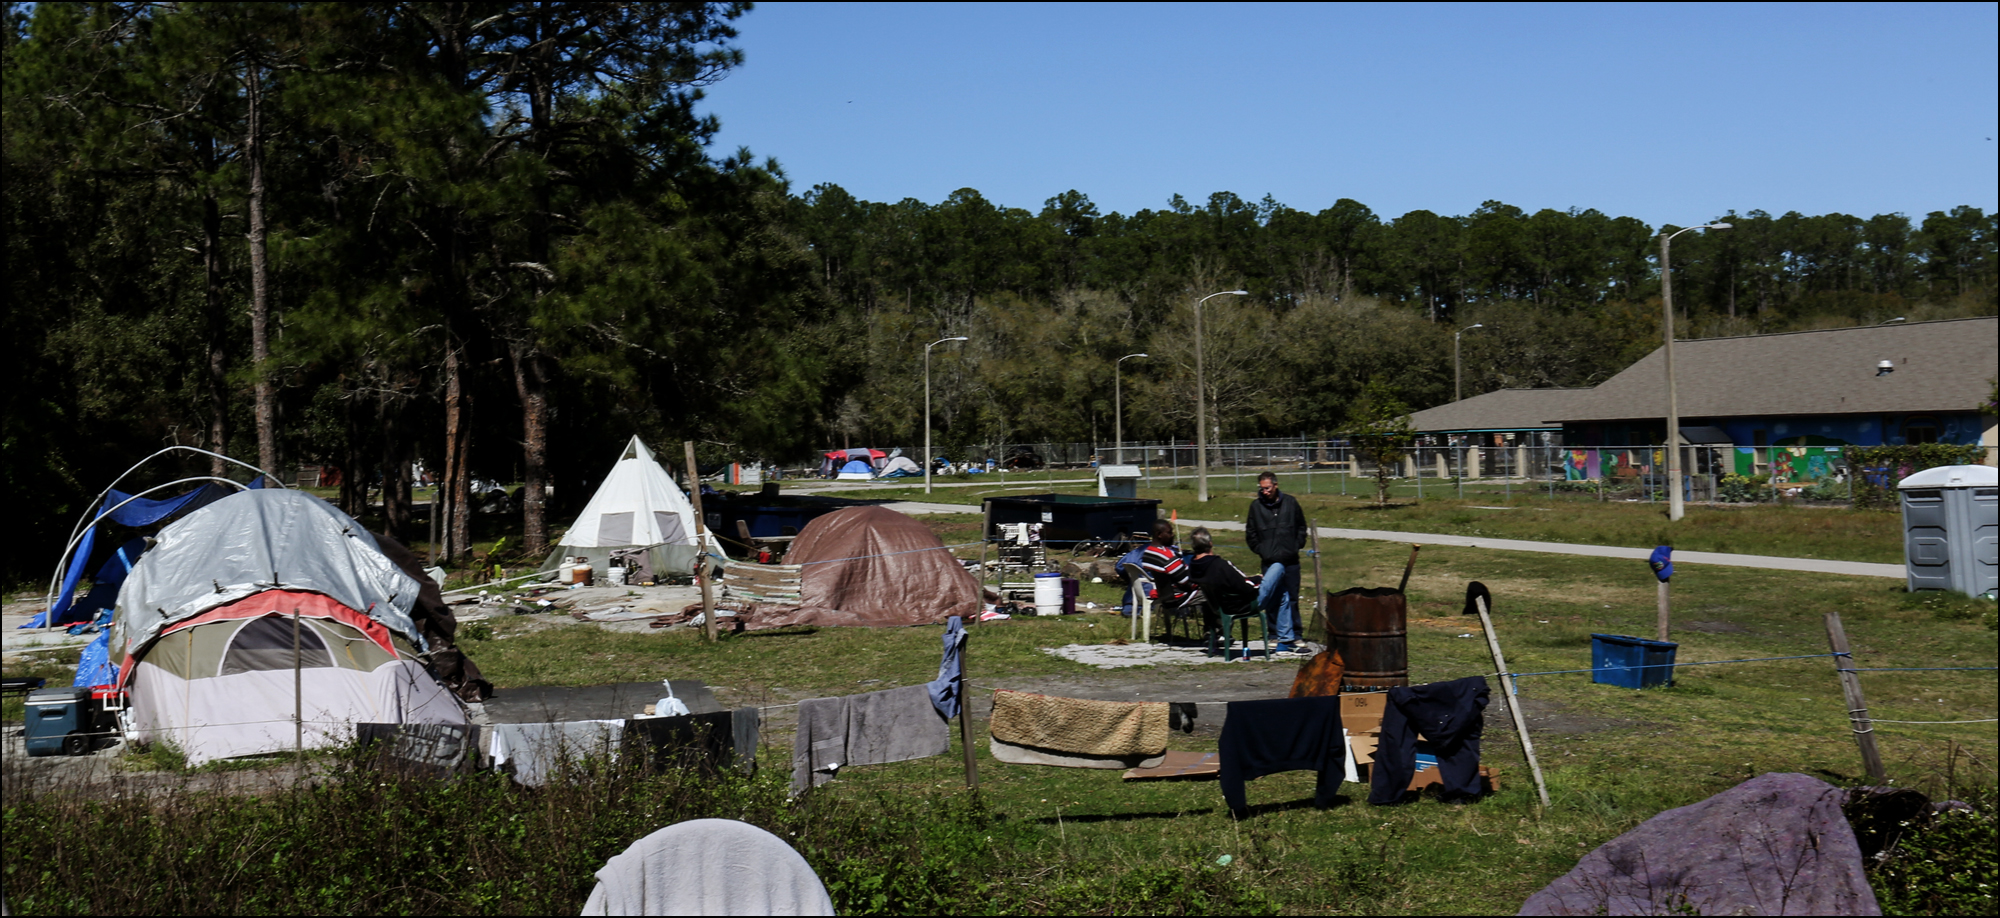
(1714, 627)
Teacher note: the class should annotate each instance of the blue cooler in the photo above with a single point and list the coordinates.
(1630, 662)
(57, 720)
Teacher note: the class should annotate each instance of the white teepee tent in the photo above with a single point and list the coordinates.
(637, 506)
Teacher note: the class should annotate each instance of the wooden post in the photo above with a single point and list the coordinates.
(1857, 706)
(965, 715)
(1319, 588)
(701, 546)
(1665, 608)
(1407, 567)
(298, 692)
(1513, 702)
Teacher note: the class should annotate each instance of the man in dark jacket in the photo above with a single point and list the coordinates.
(1276, 531)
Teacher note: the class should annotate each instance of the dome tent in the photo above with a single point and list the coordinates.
(637, 506)
(203, 631)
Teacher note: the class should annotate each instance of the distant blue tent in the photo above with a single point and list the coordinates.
(857, 466)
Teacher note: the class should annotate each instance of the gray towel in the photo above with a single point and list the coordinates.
(534, 749)
(872, 729)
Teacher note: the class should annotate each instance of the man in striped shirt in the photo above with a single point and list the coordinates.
(1164, 566)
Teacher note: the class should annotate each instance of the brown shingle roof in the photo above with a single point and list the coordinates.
(1502, 409)
(1940, 366)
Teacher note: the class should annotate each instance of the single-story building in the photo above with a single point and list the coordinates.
(1497, 421)
(1796, 399)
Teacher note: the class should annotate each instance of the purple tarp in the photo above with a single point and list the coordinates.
(1777, 844)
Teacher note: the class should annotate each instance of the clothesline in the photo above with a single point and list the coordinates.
(1600, 669)
(1913, 669)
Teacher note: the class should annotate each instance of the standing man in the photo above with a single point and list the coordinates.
(1276, 531)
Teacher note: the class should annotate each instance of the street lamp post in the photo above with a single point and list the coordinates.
(1201, 400)
(1118, 402)
(1457, 375)
(927, 408)
(1676, 508)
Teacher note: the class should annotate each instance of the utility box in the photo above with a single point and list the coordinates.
(1118, 481)
(1951, 529)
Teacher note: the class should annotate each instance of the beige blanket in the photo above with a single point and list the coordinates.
(1079, 726)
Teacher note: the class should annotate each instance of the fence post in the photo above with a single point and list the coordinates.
(1419, 469)
(1857, 706)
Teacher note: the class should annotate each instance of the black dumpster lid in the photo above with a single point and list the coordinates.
(1079, 501)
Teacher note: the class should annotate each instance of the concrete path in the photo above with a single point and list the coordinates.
(1765, 562)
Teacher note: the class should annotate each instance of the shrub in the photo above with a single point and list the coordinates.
(1898, 463)
(1743, 489)
(1943, 865)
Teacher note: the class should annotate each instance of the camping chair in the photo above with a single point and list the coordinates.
(1193, 607)
(1224, 618)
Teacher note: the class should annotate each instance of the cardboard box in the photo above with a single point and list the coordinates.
(1363, 713)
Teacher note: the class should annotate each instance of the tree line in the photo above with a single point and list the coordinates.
(495, 238)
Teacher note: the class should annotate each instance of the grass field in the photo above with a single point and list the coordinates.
(909, 838)
(1489, 511)
(1617, 757)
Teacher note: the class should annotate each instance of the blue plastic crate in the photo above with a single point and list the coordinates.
(1631, 662)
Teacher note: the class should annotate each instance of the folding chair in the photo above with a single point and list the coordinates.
(1225, 619)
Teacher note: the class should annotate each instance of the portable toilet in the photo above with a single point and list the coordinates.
(1951, 529)
(1118, 481)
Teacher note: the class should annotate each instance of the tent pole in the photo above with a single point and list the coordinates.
(700, 545)
(298, 692)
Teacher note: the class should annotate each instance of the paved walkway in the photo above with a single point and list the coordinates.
(1765, 562)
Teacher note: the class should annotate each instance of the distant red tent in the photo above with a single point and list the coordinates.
(869, 567)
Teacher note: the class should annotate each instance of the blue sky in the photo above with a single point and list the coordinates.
(1669, 113)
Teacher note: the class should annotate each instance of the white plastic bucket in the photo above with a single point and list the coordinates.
(615, 576)
(1048, 594)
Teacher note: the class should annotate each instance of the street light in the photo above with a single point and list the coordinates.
(1118, 402)
(1456, 373)
(1201, 399)
(1675, 507)
(927, 408)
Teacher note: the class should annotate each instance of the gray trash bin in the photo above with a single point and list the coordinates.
(1951, 529)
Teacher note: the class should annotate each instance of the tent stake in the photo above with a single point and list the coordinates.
(1513, 703)
(700, 545)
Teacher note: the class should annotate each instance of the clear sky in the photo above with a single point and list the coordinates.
(1671, 113)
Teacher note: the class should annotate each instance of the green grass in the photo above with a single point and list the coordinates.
(908, 838)
(1781, 530)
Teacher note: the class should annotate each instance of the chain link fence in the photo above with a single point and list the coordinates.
(1439, 465)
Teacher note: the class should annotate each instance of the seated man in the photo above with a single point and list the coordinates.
(1223, 584)
(1227, 588)
(1164, 565)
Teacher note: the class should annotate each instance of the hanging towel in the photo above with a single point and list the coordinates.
(872, 729)
(945, 689)
(535, 749)
(1451, 715)
(708, 867)
(1076, 725)
(1286, 734)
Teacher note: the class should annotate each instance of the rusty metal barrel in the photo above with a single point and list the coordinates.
(1370, 627)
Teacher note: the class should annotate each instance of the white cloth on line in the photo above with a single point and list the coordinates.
(708, 867)
(534, 749)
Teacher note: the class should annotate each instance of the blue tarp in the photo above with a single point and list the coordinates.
(139, 512)
(94, 667)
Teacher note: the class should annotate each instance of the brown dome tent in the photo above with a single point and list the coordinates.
(871, 567)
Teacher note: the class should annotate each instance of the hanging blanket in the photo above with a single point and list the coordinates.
(1075, 725)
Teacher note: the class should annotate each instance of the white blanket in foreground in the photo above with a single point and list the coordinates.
(709, 867)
